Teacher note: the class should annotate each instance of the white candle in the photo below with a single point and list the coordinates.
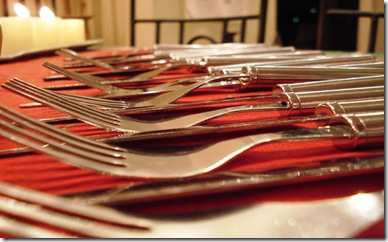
(46, 33)
(47, 29)
(24, 33)
(72, 31)
(17, 35)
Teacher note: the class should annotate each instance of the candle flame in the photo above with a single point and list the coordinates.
(46, 14)
(21, 10)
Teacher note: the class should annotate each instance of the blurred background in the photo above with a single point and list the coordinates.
(287, 23)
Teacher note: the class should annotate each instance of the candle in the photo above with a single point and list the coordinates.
(72, 31)
(46, 33)
(25, 33)
(46, 29)
(17, 35)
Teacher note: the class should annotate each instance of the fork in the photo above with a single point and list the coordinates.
(210, 66)
(311, 85)
(223, 60)
(114, 91)
(249, 75)
(224, 182)
(213, 70)
(112, 121)
(357, 129)
(169, 55)
(322, 114)
(333, 61)
(82, 219)
(155, 64)
(200, 63)
(75, 224)
(23, 230)
(75, 55)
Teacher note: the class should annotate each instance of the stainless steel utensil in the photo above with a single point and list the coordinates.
(294, 101)
(357, 129)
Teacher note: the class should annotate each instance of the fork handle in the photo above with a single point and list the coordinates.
(333, 84)
(368, 129)
(304, 72)
(354, 106)
(301, 102)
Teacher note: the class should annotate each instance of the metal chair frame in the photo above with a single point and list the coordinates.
(325, 13)
(226, 37)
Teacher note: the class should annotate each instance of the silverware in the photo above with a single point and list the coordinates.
(20, 229)
(294, 101)
(294, 97)
(224, 182)
(75, 55)
(75, 224)
(358, 130)
(117, 92)
(155, 62)
(92, 212)
(334, 61)
(177, 55)
(376, 64)
(307, 73)
(213, 70)
(62, 213)
(323, 114)
(249, 50)
(246, 81)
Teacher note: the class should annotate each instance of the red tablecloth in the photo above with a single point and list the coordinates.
(46, 174)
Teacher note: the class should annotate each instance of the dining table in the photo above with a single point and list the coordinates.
(338, 205)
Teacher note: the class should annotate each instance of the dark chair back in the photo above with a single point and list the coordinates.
(326, 12)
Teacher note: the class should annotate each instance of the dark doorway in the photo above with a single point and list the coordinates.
(298, 23)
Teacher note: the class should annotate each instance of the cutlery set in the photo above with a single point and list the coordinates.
(269, 94)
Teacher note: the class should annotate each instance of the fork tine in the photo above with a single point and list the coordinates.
(81, 78)
(96, 101)
(93, 116)
(62, 136)
(162, 99)
(93, 101)
(64, 221)
(70, 154)
(57, 102)
(168, 98)
(74, 55)
(64, 204)
(24, 230)
(73, 156)
(59, 131)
